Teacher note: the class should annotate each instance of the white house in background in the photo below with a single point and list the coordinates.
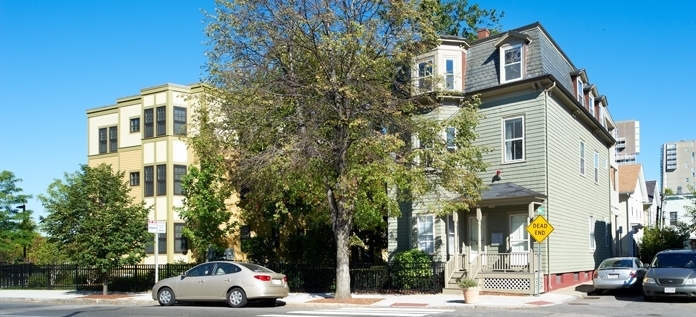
(676, 210)
(650, 212)
(633, 195)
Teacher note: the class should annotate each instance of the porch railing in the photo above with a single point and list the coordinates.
(505, 262)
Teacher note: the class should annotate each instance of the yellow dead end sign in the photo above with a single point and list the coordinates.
(539, 228)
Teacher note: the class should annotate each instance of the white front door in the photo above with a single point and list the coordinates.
(473, 236)
(519, 239)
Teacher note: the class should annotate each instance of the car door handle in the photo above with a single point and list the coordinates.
(202, 282)
(227, 280)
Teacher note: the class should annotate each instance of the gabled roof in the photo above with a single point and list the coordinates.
(628, 177)
(650, 186)
(512, 35)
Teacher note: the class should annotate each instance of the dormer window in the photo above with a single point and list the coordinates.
(425, 75)
(511, 57)
(590, 103)
(580, 94)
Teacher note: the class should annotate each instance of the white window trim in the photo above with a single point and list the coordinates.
(454, 73)
(582, 158)
(591, 102)
(418, 232)
(593, 244)
(417, 76)
(504, 140)
(502, 62)
(596, 168)
(580, 94)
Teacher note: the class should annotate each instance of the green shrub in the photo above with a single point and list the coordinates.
(38, 281)
(258, 249)
(411, 269)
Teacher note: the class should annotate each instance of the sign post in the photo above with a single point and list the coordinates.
(539, 229)
(156, 227)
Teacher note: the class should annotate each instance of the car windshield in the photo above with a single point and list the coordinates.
(612, 263)
(674, 260)
(256, 268)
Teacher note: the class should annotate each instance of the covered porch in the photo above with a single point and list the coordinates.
(492, 243)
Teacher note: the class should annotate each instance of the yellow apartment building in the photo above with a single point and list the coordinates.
(141, 135)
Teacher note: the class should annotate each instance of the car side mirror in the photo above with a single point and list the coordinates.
(646, 265)
(183, 274)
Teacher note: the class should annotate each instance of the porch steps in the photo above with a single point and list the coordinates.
(452, 286)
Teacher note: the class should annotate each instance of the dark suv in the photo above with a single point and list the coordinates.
(671, 273)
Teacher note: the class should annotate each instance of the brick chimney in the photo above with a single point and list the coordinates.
(483, 33)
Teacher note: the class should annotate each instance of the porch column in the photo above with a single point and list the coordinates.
(478, 219)
(457, 254)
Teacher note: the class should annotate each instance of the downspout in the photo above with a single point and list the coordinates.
(547, 90)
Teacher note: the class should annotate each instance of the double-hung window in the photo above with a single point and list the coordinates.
(511, 60)
(593, 244)
(590, 104)
(581, 93)
(425, 75)
(179, 244)
(149, 123)
(179, 120)
(582, 158)
(102, 141)
(426, 234)
(449, 74)
(161, 120)
(513, 134)
(113, 139)
(672, 218)
(161, 245)
(179, 172)
(596, 167)
(149, 181)
(161, 180)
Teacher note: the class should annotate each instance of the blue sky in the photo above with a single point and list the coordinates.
(60, 58)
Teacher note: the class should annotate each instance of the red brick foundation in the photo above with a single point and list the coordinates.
(561, 280)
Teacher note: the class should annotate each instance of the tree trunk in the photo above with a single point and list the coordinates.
(342, 224)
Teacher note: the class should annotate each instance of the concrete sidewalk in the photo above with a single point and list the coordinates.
(449, 301)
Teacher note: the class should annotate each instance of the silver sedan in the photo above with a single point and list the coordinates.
(233, 282)
(619, 273)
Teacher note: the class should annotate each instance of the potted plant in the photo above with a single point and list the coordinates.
(471, 289)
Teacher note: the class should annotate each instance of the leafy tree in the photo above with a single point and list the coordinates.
(206, 189)
(318, 106)
(691, 210)
(17, 228)
(93, 219)
(46, 252)
(657, 239)
(458, 17)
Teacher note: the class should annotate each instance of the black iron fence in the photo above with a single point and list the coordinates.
(365, 278)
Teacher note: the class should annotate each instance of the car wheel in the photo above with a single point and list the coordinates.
(236, 298)
(269, 302)
(166, 297)
(647, 298)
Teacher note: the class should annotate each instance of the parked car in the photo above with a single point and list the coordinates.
(619, 273)
(233, 282)
(671, 273)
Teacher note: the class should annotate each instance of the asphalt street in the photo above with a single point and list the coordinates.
(619, 304)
